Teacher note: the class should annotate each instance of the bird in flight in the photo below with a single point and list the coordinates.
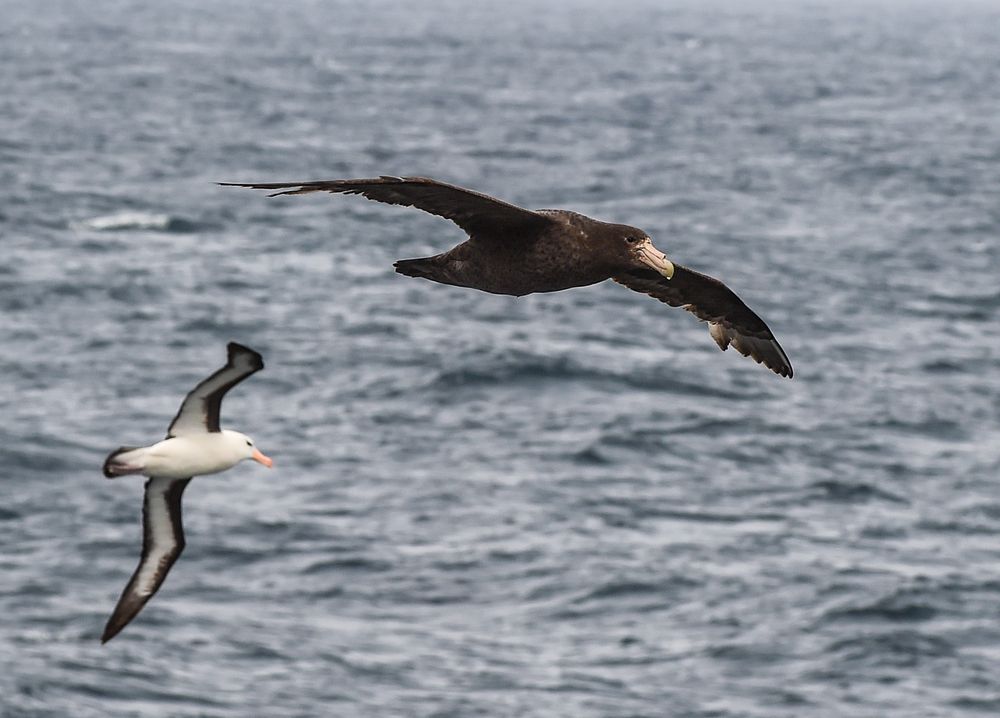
(195, 445)
(517, 251)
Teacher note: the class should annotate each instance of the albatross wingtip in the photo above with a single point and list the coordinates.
(111, 629)
(236, 350)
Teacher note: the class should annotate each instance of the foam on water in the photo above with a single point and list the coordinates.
(125, 220)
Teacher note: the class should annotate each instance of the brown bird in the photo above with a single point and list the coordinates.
(517, 251)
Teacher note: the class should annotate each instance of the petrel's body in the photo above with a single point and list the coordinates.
(516, 251)
(195, 445)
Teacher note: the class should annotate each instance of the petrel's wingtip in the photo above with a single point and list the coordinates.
(257, 185)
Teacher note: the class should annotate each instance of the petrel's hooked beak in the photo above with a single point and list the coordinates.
(654, 258)
(261, 459)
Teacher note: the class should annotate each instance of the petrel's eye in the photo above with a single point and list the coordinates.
(632, 240)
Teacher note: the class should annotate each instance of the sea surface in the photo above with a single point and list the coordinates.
(560, 505)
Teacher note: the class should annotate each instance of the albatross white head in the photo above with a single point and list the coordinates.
(244, 447)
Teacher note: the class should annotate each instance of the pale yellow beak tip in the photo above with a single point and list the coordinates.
(655, 259)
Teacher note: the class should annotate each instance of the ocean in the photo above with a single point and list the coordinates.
(567, 504)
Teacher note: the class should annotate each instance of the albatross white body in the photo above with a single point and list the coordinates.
(182, 457)
(195, 446)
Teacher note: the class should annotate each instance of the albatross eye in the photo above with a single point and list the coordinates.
(249, 443)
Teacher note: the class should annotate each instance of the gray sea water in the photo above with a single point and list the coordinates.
(560, 505)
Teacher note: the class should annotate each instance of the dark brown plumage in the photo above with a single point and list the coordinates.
(516, 251)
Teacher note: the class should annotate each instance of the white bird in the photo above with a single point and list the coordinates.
(195, 445)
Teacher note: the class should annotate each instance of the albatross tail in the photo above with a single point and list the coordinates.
(123, 461)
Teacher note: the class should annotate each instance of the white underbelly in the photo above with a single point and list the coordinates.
(181, 457)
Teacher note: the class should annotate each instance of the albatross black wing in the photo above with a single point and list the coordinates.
(200, 410)
(480, 215)
(730, 321)
(162, 543)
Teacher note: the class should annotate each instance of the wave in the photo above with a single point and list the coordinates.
(894, 647)
(520, 368)
(850, 492)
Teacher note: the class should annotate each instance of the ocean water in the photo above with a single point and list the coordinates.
(559, 505)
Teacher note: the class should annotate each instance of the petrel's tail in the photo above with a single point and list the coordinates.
(425, 268)
(123, 461)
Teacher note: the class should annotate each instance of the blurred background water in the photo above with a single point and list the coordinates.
(559, 505)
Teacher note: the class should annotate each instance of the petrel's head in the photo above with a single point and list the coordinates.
(638, 248)
(245, 447)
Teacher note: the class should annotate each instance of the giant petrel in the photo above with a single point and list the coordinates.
(512, 250)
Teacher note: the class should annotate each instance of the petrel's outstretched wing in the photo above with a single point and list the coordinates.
(480, 215)
(730, 321)
(162, 543)
(200, 410)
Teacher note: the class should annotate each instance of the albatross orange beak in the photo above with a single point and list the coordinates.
(654, 258)
(261, 459)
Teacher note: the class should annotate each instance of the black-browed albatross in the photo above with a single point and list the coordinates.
(512, 250)
(195, 445)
